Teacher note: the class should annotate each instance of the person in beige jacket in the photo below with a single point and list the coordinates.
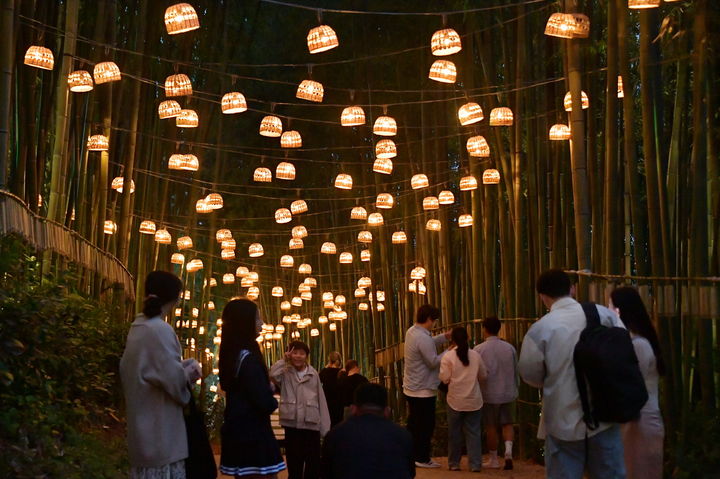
(303, 411)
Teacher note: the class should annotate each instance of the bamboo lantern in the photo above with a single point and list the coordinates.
(327, 296)
(418, 273)
(296, 243)
(296, 301)
(384, 201)
(443, 71)
(246, 282)
(501, 116)
(223, 234)
(312, 282)
(181, 18)
(638, 4)
(187, 291)
(184, 242)
(569, 25)
(365, 255)
(283, 215)
(445, 42)
(328, 248)
(341, 315)
(333, 327)
(262, 175)
(298, 206)
(364, 282)
(360, 293)
(211, 306)
(169, 109)
(178, 85)
(228, 243)
(185, 162)
(491, 176)
(109, 227)
(271, 126)
(194, 265)
(290, 139)
(98, 143)
(470, 113)
(277, 336)
(365, 237)
(39, 57)
(340, 300)
(446, 197)
(80, 81)
(106, 72)
(163, 236)
(147, 227)
(465, 220)
(213, 282)
(242, 271)
(228, 278)
(567, 101)
(412, 287)
(285, 171)
(343, 182)
(419, 181)
(302, 287)
(280, 328)
(385, 126)
(620, 89)
(352, 116)
(560, 132)
(477, 146)
(383, 165)
(255, 250)
(214, 201)
(286, 261)
(322, 319)
(299, 232)
(582, 25)
(380, 296)
(310, 90)
(253, 293)
(306, 296)
(375, 219)
(421, 289)
(385, 149)
(285, 306)
(431, 203)
(380, 307)
(321, 39)
(177, 258)
(233, 102)
(345, 257)
(358, 213)
(305, 269)
(314, 332)
(468, 183)
(328, 305)
(227, 254)
(187, 119)
(399, 237)
(433, 225)
(253, 276)
(118, 182)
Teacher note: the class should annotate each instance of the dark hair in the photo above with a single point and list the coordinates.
(636, 318)
(161, 288)
(370, 394)
(351, 364)
(459, 336)
(491, 325)
(239, 332)
(427, 311)
(299, 345)
(335, 359)
(554, 283)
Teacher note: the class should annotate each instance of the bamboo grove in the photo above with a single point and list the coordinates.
(633, 197)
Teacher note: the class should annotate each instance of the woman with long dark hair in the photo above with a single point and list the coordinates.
(249, 448)
(462, 369)
(642, 438)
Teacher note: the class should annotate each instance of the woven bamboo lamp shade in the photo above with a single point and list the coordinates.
(417, 273)
(380, 307)
(285, 171)
(638, 4)
(181, 18)
(213, 282)
(106, 72)
(280, 329)
(253, 276)
(299, 232)
(568, 25)
(419, 181)
(298, 206)
(296, 301)
(385, 149)
(364, 282)
(233, 102)
(321, 39)
(358, 213)
(384, 201)
(328, 248)
(229, 243)
(271, 126)
(80, 81)
(310, 90)
(360, 293)
(620, 88)
(501, 116)
(470, 113)
(477, 146)
(421, 288)
(468, 183)
(365, 255)
(296, 243)
(327, 296)
(184, 242)
(465, 220)
(109, 227)
(185, 162)
(385, 126)
(443, 71)
(168, 109)
(194, 265)
(332, 327)
(314, 332)
(302, 287)
(98, 143)
(286, 261)
(147, 227)
(560, 132)
(383, 165)
(343, 181)
(312, 282)
(365, 237)
(380, 296)
(290, 139)
(446, 197)
(177, 258)
(277, 291)
(285, 306)
(118, 182)
(214, 201)
(39, 57)
(567, 101)
(228, 278)
(178, 85)
(352, 116)
(283, 215)
(375, 219)
(491, 176)
(211, 306)
(340, 300)
(242, 271)
(399, 237)
(227, 254)
(246, 282)
(223, 234)
(305, 269)
(433, 225)
(187, 119)
(322, 319)
(262, 175)
(345, 257)
(255, 250)
(445, 42)
(253, 293)
(431, 203)
(163, 236)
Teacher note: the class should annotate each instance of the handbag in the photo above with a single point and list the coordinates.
(200, 463)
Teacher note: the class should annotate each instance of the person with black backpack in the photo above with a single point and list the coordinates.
(547, 361)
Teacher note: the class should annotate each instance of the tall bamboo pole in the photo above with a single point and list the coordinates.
(611, 206)
(7, 58)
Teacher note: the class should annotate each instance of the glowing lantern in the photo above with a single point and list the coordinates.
(296, 243)
(241, 271)
(188, 162)
(310, 90)
(271, 126)
(283, 215)
(117, 184)
(98, 143)
(286, 261)
(620, 89)
(468, 183)
(340, 300)
(501, 116)
(306, 296)
(109, 227)
(181, 18)
(343, 182)
(314, 332)
(305, 269)
(312, 282)
(365, 237)
(470, 113)
(223, 234)
(227, 254)
(262, 175)
(177, 258)
(322, 319)
(418, 273)
(560, 132)
(280, 329)
(352, 116)
(446, 197)
(178, 85)
(290, 139)
(228, 243)
(383, 165)
(384, 201)
(211, 306)
(433, 225)
(246, 282)
(385, 149)
(163, 236)
(380, 295)
(299, 232)
(419, 181)
(346, 257)
(39, 57)
(385, 126)
(321, 39)
(443, 71)
(298, 206)
(233, 102)
(491, 176)
(327, 296)
(465, 221)
(213, 283)
(253, 276)
(296, 301)
(421, 289)
(364, 282)
(567, 101)
(228, 278)
(285, 171)
(431, 203)
(184, 242)
(399, 237)
(445, 42)
(360, 293)
(358, 213)
(80, 81)
(333, 327)
(561, 25)
(380, 307)
(375, 219)
(285, 306)
(365, 255)
(147, 227)
(328, 248)
(194, 265)
(253, 293)
(187, 119)
(255, 250)
(477, 146)
(214, 201)
(106, 72)
(643, 4)
(363, 306)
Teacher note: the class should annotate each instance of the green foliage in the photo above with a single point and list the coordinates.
(700, 456)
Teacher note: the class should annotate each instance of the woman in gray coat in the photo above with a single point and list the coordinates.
(155, 381)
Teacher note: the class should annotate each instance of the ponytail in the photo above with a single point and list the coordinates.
(161, 288)
(152, 306)
(460, 338)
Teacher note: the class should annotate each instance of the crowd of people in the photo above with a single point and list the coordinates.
(338, 424)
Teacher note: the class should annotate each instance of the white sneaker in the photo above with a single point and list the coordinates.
(492, 463)
(427, 465)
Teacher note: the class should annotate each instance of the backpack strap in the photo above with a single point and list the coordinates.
(592, 318)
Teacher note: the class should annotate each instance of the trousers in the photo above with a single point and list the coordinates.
(421, 424)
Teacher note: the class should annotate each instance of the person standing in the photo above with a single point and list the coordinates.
(349, 380)
(462, 369)
(420, 381)
(249, 448)
(643, 437)
(156, 384)
(546, 361)
(329, 380)
(499, 391)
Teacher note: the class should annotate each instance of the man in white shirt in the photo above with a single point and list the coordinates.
(546, 361)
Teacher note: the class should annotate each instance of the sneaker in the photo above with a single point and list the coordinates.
(508, 464)
(492, 463)
(454, 468)
(427, 465)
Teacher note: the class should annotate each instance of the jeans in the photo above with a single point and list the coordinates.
(421, 424)
(468, 423)
(569, 459)
(302, 453)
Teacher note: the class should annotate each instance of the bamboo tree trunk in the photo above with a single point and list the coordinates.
(611, 206)
(7, 58)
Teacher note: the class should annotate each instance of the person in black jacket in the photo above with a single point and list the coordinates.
(329, 380)
(348, 381)
(249, 447)
(368, 444)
